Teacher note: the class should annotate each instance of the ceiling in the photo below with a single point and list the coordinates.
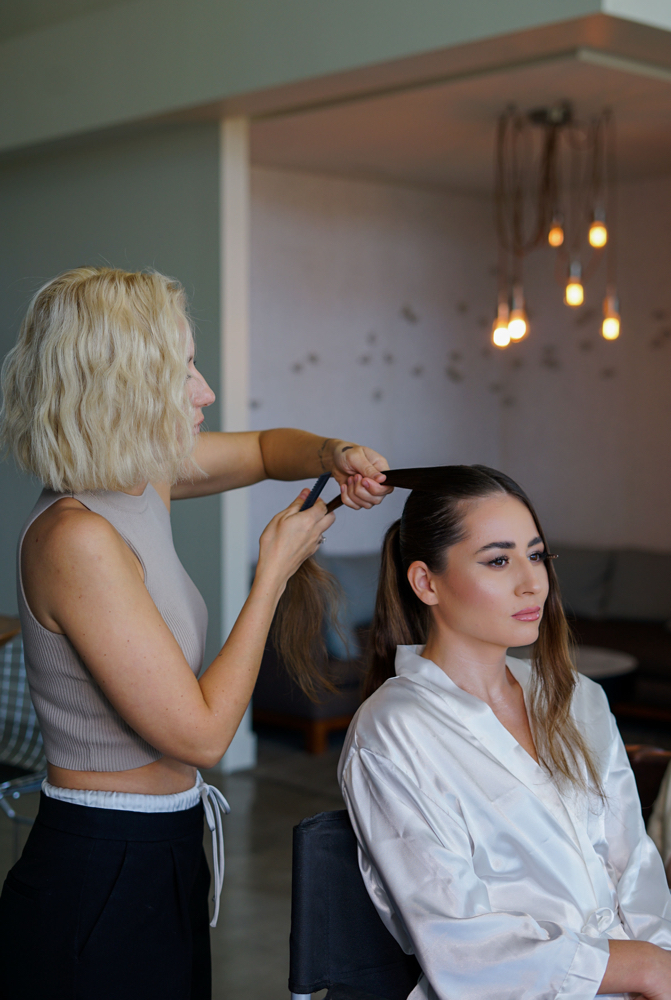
(442, 135)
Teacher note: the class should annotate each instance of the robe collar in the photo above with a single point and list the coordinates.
(477, 716)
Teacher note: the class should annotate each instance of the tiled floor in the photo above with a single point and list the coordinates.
(250, 945)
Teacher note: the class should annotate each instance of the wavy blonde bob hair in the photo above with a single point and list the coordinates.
(95, 388)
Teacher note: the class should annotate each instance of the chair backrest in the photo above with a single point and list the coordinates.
(649, 765)
(20, 737)
(336, 933)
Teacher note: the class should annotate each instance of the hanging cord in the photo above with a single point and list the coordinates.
(611, 196)
(216, 807)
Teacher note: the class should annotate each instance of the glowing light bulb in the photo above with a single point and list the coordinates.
(575, 293)
(518, 325)
(610, 328)
(556, 234)
(598, 234)
(500, 333)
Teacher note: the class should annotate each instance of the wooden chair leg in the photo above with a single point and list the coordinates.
(316, 736)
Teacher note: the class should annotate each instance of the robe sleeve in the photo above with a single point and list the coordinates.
(631, 857)
(659, 824)
(415, 855)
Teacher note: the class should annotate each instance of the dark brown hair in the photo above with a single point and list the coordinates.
(432, 521)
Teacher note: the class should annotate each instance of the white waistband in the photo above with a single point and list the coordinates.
(126, 801)
(214, 805)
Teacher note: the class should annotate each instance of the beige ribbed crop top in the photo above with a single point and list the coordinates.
(81, 729)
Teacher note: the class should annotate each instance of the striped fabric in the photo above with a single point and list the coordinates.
(20, 736)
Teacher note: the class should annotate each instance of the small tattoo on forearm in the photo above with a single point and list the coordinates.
(320, 454)
(347, 447)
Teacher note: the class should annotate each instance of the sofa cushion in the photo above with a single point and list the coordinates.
(640, 589)
(583, 577)
(357, 576)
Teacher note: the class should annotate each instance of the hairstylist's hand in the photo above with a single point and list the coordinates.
(360, 474)
(290, 538)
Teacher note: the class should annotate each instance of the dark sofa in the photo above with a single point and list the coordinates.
(621, 599)
(279, 701)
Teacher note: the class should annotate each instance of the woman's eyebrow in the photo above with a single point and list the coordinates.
(508, 545)
(498, 545)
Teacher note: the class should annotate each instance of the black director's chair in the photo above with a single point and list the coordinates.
(338, 941)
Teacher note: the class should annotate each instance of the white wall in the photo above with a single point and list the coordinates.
(334, 265)
(588, 434)
(584, 425)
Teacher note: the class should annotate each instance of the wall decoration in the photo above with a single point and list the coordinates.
(549, 357)
(585, 316)
(409, 314)
(454, 374)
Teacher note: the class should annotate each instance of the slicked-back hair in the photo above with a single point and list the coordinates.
(94, 391)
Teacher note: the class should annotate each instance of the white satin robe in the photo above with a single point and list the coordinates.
(503, 886)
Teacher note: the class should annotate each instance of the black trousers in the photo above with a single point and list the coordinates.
(107, 905)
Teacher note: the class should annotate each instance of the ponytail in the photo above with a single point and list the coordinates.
(311, 599)
(400, 618)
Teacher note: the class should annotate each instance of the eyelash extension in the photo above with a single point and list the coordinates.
(542, 557)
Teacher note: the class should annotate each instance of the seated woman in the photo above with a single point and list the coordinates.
(499, 827)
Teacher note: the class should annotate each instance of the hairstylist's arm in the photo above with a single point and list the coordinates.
(638, 967)
(229, 461)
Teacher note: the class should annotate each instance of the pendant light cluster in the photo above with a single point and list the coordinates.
(555, 183)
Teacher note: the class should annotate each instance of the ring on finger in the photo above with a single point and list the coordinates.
(321, 540)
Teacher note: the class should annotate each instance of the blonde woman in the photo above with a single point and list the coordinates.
(104, 404)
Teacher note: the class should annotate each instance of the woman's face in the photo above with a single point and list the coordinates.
(495, 584)
(200, 394)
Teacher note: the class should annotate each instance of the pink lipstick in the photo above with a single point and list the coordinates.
(528, 614)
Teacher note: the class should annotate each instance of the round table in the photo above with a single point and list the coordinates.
(608, 667)
(599, 664)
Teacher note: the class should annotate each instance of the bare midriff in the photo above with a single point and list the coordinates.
(162, 777)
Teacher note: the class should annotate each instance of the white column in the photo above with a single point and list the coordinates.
(234, 384)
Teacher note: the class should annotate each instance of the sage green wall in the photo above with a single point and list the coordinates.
(150, 201)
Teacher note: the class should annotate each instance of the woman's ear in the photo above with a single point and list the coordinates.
(420, 579)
